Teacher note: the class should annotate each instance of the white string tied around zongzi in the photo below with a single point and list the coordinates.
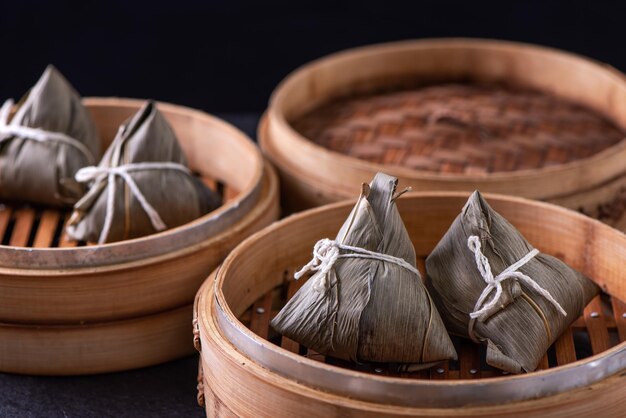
(100, 174)
(37, 134)
(473, 242)
(326, 252)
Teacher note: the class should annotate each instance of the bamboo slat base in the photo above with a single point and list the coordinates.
(23, 225)
(602, 326)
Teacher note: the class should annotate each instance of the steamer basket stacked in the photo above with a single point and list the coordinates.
(76, 309)
(247, 369)
(337, 121)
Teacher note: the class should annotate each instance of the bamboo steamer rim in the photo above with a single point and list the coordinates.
(218, 358)
(264, 203)
(131, 289)
(399, 391)
(102, 347)
(23, 259)
(211, 332)
(588, 172)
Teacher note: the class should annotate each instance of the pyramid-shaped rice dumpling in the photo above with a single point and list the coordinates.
(491, 285)
(48, 139)
(369, 304)
(141, 186)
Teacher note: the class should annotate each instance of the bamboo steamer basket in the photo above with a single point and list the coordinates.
(246, 369)
(72, 284)
(312, 175)
(121, 344)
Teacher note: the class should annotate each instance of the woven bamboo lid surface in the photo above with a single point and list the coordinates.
(460, 128)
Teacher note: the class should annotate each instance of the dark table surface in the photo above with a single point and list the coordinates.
(168, 390)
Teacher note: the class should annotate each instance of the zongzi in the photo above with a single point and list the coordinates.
(48, 139)
(141, 186)
(366, 300)
(492, 286)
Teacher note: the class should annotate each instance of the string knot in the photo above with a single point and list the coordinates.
(326, 252)
(36, 134)
(511, 272)
(101, 173)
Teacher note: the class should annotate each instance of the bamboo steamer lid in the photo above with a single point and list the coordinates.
(312, 174)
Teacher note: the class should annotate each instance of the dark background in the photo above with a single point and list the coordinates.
(226, 57)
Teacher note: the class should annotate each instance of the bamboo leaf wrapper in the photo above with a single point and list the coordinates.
(521, 324)
(365, 308)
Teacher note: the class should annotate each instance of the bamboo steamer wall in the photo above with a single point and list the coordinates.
(312, 175)
(246, 369)
(75, 308)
